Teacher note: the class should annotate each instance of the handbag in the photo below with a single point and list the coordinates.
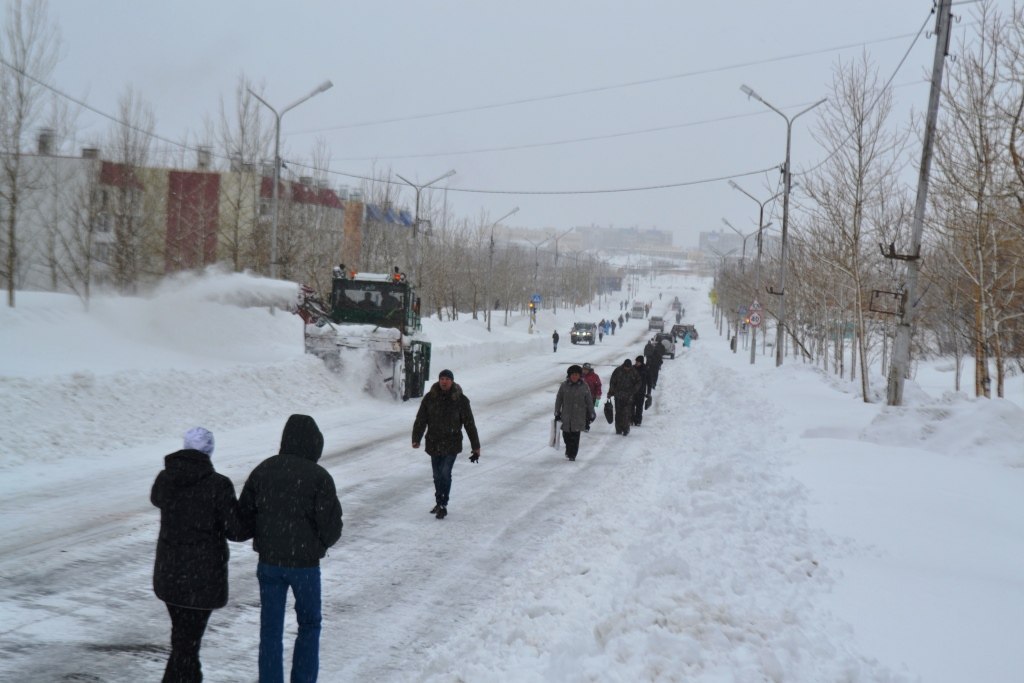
(609, 412)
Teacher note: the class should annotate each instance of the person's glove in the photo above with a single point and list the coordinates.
(597, 402)
(475, 456)
(558, 417)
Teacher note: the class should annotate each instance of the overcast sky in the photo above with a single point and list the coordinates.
(404, 60)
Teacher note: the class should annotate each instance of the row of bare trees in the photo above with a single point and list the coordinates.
(846, 265)
(81, 229)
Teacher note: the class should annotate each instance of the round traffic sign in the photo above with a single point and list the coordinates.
(755, 318)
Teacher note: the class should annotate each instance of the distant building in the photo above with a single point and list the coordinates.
(86, 222)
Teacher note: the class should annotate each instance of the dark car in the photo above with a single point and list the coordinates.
(583, 333)
(678, 331)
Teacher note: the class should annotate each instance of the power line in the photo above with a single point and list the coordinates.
(640, 188)
(878, 97)
(98, 112)
(596, 89)
(554, 143)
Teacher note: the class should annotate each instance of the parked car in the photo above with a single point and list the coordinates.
(656, 322)
(583, 333)
(679, 330)
(667, 342)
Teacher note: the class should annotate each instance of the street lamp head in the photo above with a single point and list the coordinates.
(749, 92)
(326, 85)
(733, 185)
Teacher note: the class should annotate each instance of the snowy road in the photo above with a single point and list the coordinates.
(405, 579)
(763, 524)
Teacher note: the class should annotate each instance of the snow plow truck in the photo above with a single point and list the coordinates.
(378, 312)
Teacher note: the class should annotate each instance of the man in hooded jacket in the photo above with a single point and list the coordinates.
(444, 412)
(293, 505)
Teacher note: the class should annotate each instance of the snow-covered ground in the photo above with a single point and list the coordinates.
(763, 524)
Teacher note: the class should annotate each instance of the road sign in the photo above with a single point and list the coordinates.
(743, 310)
(755, 319)
(755, 306)
(535, 298)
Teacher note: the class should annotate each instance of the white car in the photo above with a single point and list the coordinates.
(665, 339)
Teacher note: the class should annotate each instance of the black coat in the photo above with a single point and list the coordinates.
(442, 415)
(625, 382)
(644, 375)
(291, 501)
(198, 514)
(654, 354)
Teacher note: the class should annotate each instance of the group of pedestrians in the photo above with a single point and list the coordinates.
(630, 388)
(289, 507)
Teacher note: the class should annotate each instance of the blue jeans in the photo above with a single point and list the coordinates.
(442, 465)
(305, 585)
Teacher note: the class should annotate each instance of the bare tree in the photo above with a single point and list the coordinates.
(246, 140)
(136, 240)
(976, 182)
(850, 187)
(29, 53)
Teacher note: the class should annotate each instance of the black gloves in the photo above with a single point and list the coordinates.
(558, 417)
(475, 456)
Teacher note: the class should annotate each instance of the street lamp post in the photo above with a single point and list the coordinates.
(743, 254)
(787, 179)
(326, 85)
(490, 268)
(416, 219)
(760, 242)
(720, 271)
(554, 303)
(536, 259)
(536, 267)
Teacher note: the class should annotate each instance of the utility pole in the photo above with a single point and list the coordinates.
(900, 365)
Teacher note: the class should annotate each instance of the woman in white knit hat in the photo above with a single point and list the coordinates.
(198, 515)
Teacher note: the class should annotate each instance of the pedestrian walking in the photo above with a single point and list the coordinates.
(574, 408)
(444, 412)
(643, 391)
(613, 324)
(622, 387)
(554, 341)
(655, 357)
(198, 515)
(594, 383)
(293, 505)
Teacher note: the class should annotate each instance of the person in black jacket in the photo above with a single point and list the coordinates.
(198, 514)
(444, 412)
(622, 387)
(296, 516)
(643, 391)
